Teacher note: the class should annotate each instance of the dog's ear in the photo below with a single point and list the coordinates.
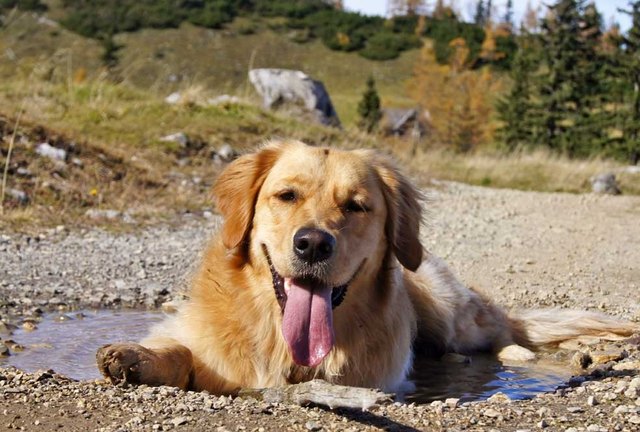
(236, 190)
(404, 213)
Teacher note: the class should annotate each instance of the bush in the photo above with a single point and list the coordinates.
(387, 46)
(25, 5)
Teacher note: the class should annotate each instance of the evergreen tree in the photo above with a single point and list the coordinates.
(631, 145)
(110, 49)
(593, 120)
(562, 86)
(508, 14)
(479, 17)
(515, 109)
(488, 13)
(369, 107)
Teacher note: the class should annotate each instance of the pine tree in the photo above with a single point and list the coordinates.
(369, 107)
(479, 17)
(405, 7)
(562, 86)
(530, 19)
(515, 110)
(594, 121)
(508, 14)
(632, 65)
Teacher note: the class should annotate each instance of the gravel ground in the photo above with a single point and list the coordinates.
(523, 249)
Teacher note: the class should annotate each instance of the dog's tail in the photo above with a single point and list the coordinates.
(551, 327)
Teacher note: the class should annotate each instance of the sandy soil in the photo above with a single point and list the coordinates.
(523, 249)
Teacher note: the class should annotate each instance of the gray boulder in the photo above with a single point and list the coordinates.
(281, 86)
(605, 184)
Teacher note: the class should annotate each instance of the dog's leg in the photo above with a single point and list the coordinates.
(162, 362)
(464, 320)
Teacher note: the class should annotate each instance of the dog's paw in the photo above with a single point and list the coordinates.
(515, 353)
(126, 362)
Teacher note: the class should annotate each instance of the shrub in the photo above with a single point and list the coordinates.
(387, 46)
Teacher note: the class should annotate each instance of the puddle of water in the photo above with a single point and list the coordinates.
(69, 347)
(483, 377)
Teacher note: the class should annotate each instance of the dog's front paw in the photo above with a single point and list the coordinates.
(126, 362)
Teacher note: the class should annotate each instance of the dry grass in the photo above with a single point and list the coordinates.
(538, 170)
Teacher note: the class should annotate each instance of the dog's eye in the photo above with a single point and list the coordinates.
(354, 207)
(287, 196)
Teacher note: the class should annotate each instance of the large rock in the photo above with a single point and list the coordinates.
(295, 87)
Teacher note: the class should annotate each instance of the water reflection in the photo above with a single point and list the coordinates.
(481, 378)
(68, 343)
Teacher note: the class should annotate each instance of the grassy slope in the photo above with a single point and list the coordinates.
(117, 126)
(221, 59)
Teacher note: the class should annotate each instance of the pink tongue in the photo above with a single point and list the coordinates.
(307, 323)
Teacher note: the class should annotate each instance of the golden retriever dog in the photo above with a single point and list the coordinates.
(318, 272)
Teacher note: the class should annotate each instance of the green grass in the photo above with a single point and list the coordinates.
(164, 61)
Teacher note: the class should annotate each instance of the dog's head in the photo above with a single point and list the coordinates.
(319, 218)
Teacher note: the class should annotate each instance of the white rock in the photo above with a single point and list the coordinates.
(178, 137)
(102, 214)
(46, 150)
(173, 98)
(223, 99)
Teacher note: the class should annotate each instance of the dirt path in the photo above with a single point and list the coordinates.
(523, 249)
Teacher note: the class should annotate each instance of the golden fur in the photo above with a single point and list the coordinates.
(400, 299)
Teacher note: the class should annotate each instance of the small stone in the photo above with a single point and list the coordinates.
(180, 138)
(173, 98)
(23, 172)
(499, 398)
(4, 350)
(178, 421)
(605, 184)
(575, 409)
(634, 420)
(312, 426)
(592, 401)
(102, 214)
(543, 424)
(29, 326)
(594, 428)
(581, 360)
(622, 409)
(606, 356)
(452, 402)
(19, 196)
(51, 152)
(227, 153)
(490, 412)
(629, 365)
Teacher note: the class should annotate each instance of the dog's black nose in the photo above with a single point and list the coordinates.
(313, 245)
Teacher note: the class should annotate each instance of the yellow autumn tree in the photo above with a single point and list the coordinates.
(459, 100)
